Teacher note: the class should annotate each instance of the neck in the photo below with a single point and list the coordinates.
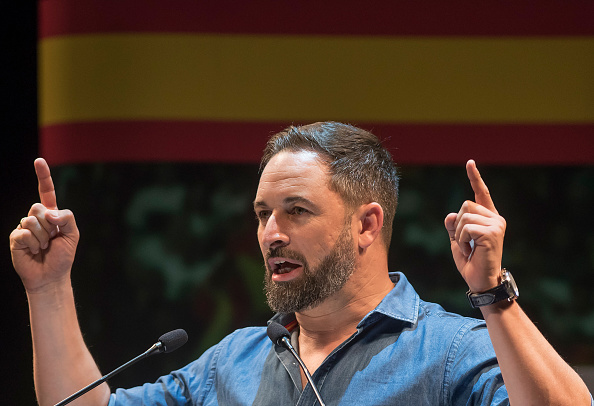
(338, 316)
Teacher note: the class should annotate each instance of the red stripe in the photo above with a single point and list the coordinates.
(313, 17)
(291, 326)
(237, 142)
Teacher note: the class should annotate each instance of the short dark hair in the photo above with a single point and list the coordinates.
(361, 169)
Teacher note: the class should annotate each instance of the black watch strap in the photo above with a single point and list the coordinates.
(506, 291)
(491, 296)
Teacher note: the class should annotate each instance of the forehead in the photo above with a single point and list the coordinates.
(299, 173)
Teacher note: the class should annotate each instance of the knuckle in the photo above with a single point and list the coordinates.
(26, 222)
(37, 208)
(18, 238)
(15, 236)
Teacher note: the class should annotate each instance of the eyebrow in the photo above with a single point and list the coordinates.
(289, 200)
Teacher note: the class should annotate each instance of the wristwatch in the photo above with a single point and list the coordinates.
(508, 290)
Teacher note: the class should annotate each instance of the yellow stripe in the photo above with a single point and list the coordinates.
(277, 78)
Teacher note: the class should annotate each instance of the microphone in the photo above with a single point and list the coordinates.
(168, 342)
(280, 336)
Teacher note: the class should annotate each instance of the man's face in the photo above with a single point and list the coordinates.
(304, 233)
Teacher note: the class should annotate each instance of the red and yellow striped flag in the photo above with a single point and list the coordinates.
(507, 82)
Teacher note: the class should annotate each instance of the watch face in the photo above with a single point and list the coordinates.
(508, 279)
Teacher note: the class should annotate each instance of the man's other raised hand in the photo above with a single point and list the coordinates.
(476, 235)
(44, 243)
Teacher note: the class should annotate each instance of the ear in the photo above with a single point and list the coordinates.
(370, 220)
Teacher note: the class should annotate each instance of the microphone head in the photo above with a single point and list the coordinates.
(276, 332)
(173, 340)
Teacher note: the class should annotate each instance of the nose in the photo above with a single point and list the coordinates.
(273, 236)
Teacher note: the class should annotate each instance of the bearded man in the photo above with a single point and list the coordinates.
(325, 205)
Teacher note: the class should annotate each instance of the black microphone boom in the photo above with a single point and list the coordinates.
(168, 342)
(280, 336)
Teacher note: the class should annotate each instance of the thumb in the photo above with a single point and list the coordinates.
(64, 220)
(450, 225)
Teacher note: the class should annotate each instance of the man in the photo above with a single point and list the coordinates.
(325, 204)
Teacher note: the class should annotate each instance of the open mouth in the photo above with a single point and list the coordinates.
(283, 266)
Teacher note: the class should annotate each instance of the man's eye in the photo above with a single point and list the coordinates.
(263, 215)
(298, 210)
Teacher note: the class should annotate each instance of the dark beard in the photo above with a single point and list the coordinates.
(314, 286)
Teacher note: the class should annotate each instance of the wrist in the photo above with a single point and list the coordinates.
(49, 289)
(490, 283)
(486, 279)
(497, 308)
(506, 290)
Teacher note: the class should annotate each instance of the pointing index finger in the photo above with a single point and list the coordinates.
(47, 193)
(481, 192)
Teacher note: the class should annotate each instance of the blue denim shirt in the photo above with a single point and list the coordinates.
(405, 352)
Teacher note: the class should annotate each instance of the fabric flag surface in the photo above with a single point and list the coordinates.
(503, 82)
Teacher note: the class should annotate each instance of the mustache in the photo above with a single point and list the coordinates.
(285, 253)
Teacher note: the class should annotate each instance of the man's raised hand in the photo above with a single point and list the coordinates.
(44, 243)
(476, 235)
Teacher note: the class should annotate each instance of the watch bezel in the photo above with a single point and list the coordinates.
(507, 278)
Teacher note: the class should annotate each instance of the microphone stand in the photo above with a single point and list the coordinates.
(157, 347)
(287, 344)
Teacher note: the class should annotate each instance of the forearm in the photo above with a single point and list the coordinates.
(533, 372)
(62, 363)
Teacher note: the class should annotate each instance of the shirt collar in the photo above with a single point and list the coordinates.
(401, 303)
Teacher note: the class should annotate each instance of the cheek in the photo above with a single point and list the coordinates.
(320, 247)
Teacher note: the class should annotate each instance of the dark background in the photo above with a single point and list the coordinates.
(169, 246)
(19, 148)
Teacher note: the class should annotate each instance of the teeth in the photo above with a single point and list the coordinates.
(282, 266)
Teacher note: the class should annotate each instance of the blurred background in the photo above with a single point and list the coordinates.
(153, 115)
